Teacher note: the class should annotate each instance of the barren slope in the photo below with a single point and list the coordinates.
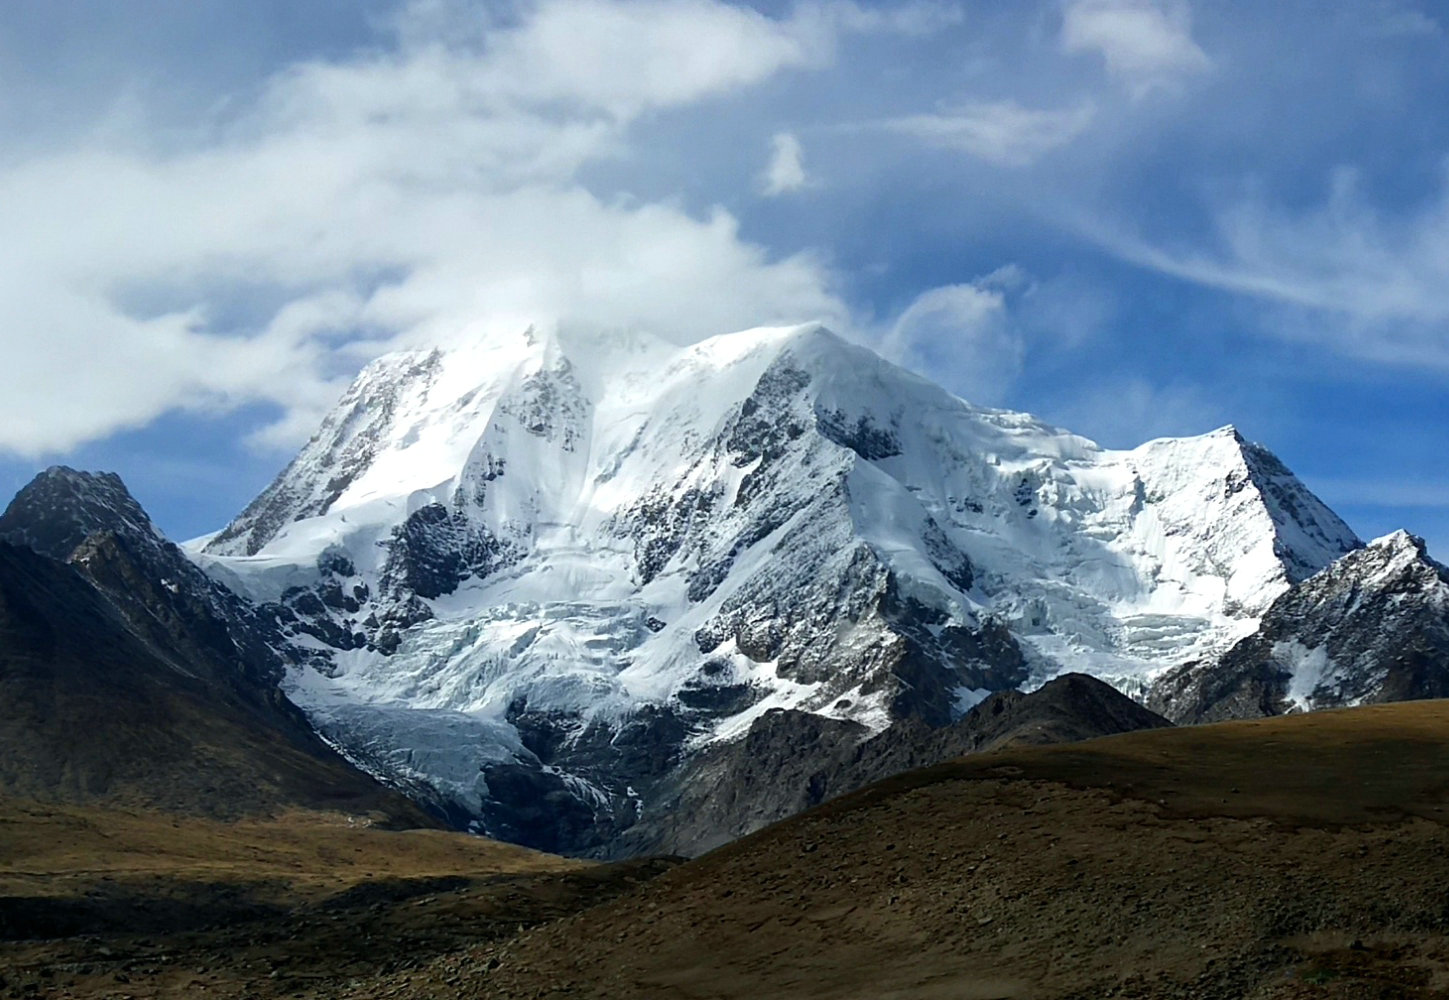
(113, 902)
(96, 711)
(1302, 856)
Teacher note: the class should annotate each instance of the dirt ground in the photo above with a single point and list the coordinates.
(1304, 857)
(109, 903)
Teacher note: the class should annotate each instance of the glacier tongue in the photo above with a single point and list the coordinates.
(512, 552)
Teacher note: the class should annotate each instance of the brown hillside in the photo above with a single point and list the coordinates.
(97, 711)
(1305, 856)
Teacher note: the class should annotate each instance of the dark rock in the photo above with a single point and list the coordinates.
(1373, 626)
(61, 507)
(790, 761)
(436, 549)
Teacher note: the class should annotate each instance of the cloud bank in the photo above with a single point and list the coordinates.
(426, 189)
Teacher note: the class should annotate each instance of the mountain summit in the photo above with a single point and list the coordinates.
(544, 568)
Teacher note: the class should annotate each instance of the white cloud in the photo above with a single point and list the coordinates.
(963, 337)
(625, 57)
(1346, 276)
(1146, 44)
(400, 194)
(1000, 132)
(786, 171)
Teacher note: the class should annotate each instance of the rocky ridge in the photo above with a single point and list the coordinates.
(1371, 627)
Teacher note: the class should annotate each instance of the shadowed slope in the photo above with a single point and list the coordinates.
(790, 761)
(96, 712)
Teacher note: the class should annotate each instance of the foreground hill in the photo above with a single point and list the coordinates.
(1297, 857)
(108, 902)
(1304, 856)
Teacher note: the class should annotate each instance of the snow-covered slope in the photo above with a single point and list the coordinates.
(555, 567)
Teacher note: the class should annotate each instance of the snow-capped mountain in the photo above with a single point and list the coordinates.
(1374, 626)
(550, 569)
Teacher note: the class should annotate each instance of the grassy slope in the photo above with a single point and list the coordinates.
(99, 901)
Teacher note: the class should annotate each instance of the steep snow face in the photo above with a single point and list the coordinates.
(544, 535)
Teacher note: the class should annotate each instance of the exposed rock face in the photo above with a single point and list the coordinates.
(60, 508)
(790, 761)
(1374, 626)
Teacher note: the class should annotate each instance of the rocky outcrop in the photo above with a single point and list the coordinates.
(790, 761)
(1372, 627)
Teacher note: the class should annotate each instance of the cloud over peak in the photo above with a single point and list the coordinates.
(406, 192)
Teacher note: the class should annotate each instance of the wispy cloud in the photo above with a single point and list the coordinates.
(1397, 19)
(1147, 45)
(1366, 282)
(999, 132)
(964, 336)
(786, 169)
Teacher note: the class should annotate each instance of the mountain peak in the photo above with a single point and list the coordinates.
(61, 507)
(1398, 555)
(566, 531)
(1400, 541)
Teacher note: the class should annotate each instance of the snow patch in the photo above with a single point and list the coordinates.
(1310, 670)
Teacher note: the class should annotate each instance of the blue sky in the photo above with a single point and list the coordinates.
(1131, 217)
